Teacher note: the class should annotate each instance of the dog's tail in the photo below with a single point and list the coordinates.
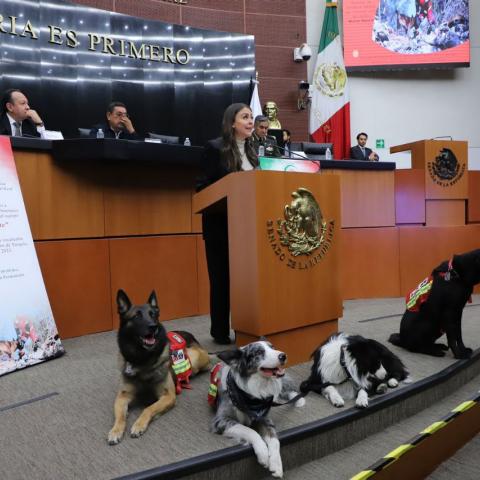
(395, 339)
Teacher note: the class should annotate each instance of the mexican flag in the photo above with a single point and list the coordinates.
(330, 108)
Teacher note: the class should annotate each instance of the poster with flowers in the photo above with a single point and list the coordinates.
(28, 334)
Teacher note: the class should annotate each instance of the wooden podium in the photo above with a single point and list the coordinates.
(435, 190)
(293, 299)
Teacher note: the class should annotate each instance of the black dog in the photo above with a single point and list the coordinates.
(441, 299)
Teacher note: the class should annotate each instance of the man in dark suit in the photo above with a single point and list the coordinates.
(118, 124)
(361, 152)
(260, 137)
(17, 118)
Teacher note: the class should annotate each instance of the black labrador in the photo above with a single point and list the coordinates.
(442, 297)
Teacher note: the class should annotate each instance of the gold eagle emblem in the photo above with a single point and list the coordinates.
(303, 229)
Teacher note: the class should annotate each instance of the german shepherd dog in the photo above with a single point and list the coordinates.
(147, 376)
(251, 380)
(422, 324)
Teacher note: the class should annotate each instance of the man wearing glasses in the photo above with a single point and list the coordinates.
(118, 124)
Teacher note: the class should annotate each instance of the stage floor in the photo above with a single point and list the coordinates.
(55, 416)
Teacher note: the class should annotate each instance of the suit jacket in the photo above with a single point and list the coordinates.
(109, 133)
(28, 128)
(357, 154)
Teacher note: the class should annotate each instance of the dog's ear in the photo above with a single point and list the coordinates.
(123, 302)
(229, 356)
(152, 300)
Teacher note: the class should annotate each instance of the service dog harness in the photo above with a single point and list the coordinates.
(420, 294)
(180, 361)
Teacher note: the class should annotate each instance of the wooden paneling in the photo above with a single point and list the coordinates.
(369, 263)
(367, 197)
(76, 275)
(271, 289)
(423, 248)
(203, 282)
(166, 264)
(231, 5)
(307, 338)
(409, 196)
(474, 196)
(62, 201)
(458, 188)
(441, 213)
(148, 200)
(417, 463)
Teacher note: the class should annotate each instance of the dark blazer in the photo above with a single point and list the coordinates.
(109, 133)
(357, 154)
(28, 128)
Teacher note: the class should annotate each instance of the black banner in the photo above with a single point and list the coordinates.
(71, 61)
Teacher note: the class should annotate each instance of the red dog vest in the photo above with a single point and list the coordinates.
(180, 362)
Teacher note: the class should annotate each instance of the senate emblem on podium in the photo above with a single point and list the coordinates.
(445, 170)
(302, 232)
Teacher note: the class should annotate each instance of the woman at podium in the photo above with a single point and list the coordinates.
(232, 152)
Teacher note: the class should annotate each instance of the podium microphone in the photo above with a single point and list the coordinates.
(443, 137)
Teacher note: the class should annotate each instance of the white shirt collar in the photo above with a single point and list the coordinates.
(12, 121)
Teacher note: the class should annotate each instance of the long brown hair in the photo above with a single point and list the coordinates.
(230, 152)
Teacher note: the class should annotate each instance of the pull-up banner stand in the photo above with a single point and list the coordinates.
(28, 334)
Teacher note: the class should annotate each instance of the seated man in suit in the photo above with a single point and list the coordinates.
(361, 152)
(260, 137)
(118, 124)
(17, 118)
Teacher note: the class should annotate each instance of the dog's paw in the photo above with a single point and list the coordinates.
(382, 388)
(362, 399)
(261, 451)
(392, 382)
(300, 402)
(275, 466)
(337, 401)
(138, 429)
(465, 353)
(115, 436)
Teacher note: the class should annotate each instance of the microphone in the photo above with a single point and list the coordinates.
(299, 155)
(442, 137)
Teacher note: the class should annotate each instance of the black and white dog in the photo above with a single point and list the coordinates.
(349, 366)
(251, 381)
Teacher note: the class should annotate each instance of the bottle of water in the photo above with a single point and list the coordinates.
(328, 154)
(187, 142)
(261, 151)
(100, 133)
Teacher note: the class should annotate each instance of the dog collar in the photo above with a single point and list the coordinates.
(254, 408)
(451, 273)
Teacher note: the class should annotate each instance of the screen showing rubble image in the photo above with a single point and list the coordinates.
(406, 33)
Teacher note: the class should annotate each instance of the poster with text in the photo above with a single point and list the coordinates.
(28, 334)
(406, 34)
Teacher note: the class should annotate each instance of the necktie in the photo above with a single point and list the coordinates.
(363, 151)
(18, 129)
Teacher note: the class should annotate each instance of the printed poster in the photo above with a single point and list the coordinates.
(28, 334)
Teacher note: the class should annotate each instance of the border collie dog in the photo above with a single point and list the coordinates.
(351, 366)
(250, 382)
